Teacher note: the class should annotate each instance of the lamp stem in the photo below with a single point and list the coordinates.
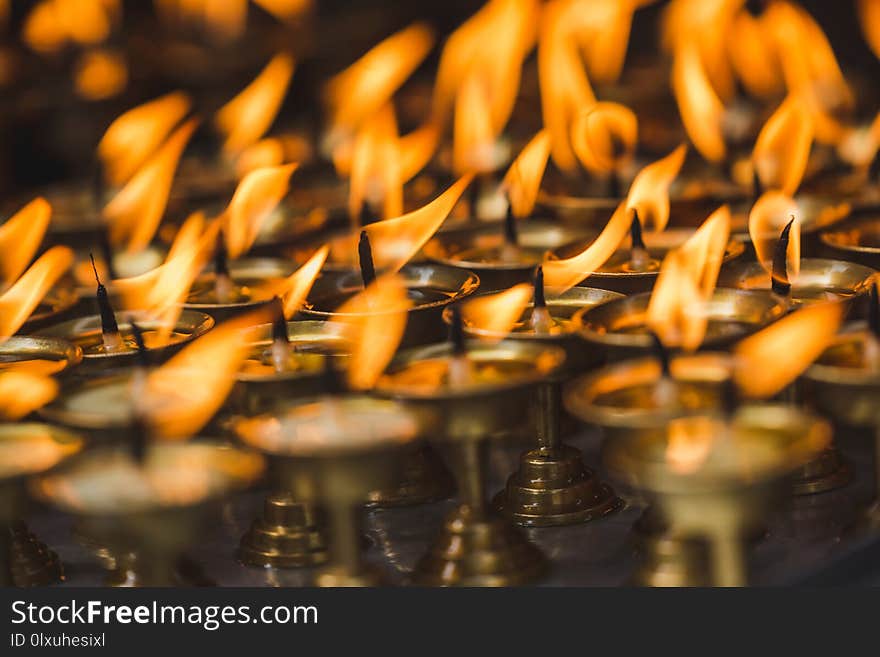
(728, 560)
(471, 460)
(345, 549)
(549, 404)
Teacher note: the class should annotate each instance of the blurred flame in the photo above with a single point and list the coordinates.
(770, 359)
(565, 89)
(604, 137)
(137, 133)
(858, 145)
(162, 291)
(100, 74)
(561, 275)
(375, 166)
(21, 393)
(497, 313)
(676, 310)
(136, 210)
(700, 107)
(19, 301)
(767, 218)
(226, 19)
(649, 192)
(603, 28)
(294, 289)
(704, 250)
(182, 395)
(523, 179)
(247, 117)
(753, 56)
(782, 149)
(255, 198)
(285, 10)
(473, 142)
(376, 319)
(52, 23)
(869, 17)
(689, 443)
(360, 90)
(20, 237)
(272, 152)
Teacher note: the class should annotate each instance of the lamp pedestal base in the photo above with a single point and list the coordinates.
(425, 478)
(287, 535)
(828, 471)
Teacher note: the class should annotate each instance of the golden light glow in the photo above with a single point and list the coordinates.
(100, 74)
(561, 275)
(360, 90)
(702, 111)
(22, 393)
(285, 10)
(19, 301)
(135, 212)
(473, 142)
(869, 17)
(523, 178)
(136, 134)
(294, 289)
(225, 19)
(676, 310)
(497, 313)
(649, 192)
(20, 237)
(772, 358)
(782, 149)
(53, 23)
(604, 137)
(375, 167)
(247, 117)
(182, 395)
(255, 198)
(272, 152)
(376, 320)
(602, 30)
(704, 250)
(689, 443)
(754, 57)
(767, 218)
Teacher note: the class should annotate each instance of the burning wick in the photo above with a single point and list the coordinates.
(757, 187)
(665, 392)
(639, 258)
(222, 279)
(110, 334)
(365, 258)
(280, 339)
(139, 430)
(871, 354)
(510, 250)
(368, 215)
(779, 282)
(540, 321)
(460, 365)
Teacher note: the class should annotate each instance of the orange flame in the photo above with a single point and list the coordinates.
(770, 359)
(704, 251)
(272, 152)
(20, 300)
(255, 198)
(869, 17)
(21, 393)
(375, 166)
(565, 89)
(294, 289)
(20, 237)
(561, 275)
(100, 74)
(285, 10)
(767, 218)
(649, 192)
(859, 145)
(226, 19)
(603, 32)
(604, 137)
(473, 143)
(689, 442)
(53, 23)
(395, 241)
(247, 117)
(182, 395)
(523, 178)
(137, 133)
(360, 90)
(136, 210)
(415, 150)
(700, 107)
(753, 56)
(376, 319)
(676, 310)
(782, 150)
(497, 313)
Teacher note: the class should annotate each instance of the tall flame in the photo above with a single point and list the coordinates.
(247, 117)
(294, 289)
(136, 134)
(182, 395)
(767, 218)
(604, 137)
(704, 250)
(376, 319)
(136, 210)
(53, 23)
(360, 90)
(255, 198)
(782, 150)
(701, 109)
(21, 393)
(602, 30)
(474, 137)
(869, 17)
(19, 301)
(649, 192)
(100, 73)
(753, 57)
(20, 237)
(523, 178)
(497, 313)
(375, 166)
(770, 359)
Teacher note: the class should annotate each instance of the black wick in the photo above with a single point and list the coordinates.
(779, 282)
(456, 331)
(365, 258)
(221, 257)
(662, 355)
(511, 233)
(279, 322)
(539, 300)
(108, 317)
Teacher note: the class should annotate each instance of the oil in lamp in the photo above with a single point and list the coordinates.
(333, 451)
(856, 240)
(28, 449)
(716, 477)
(552, 485)
(476, 390)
